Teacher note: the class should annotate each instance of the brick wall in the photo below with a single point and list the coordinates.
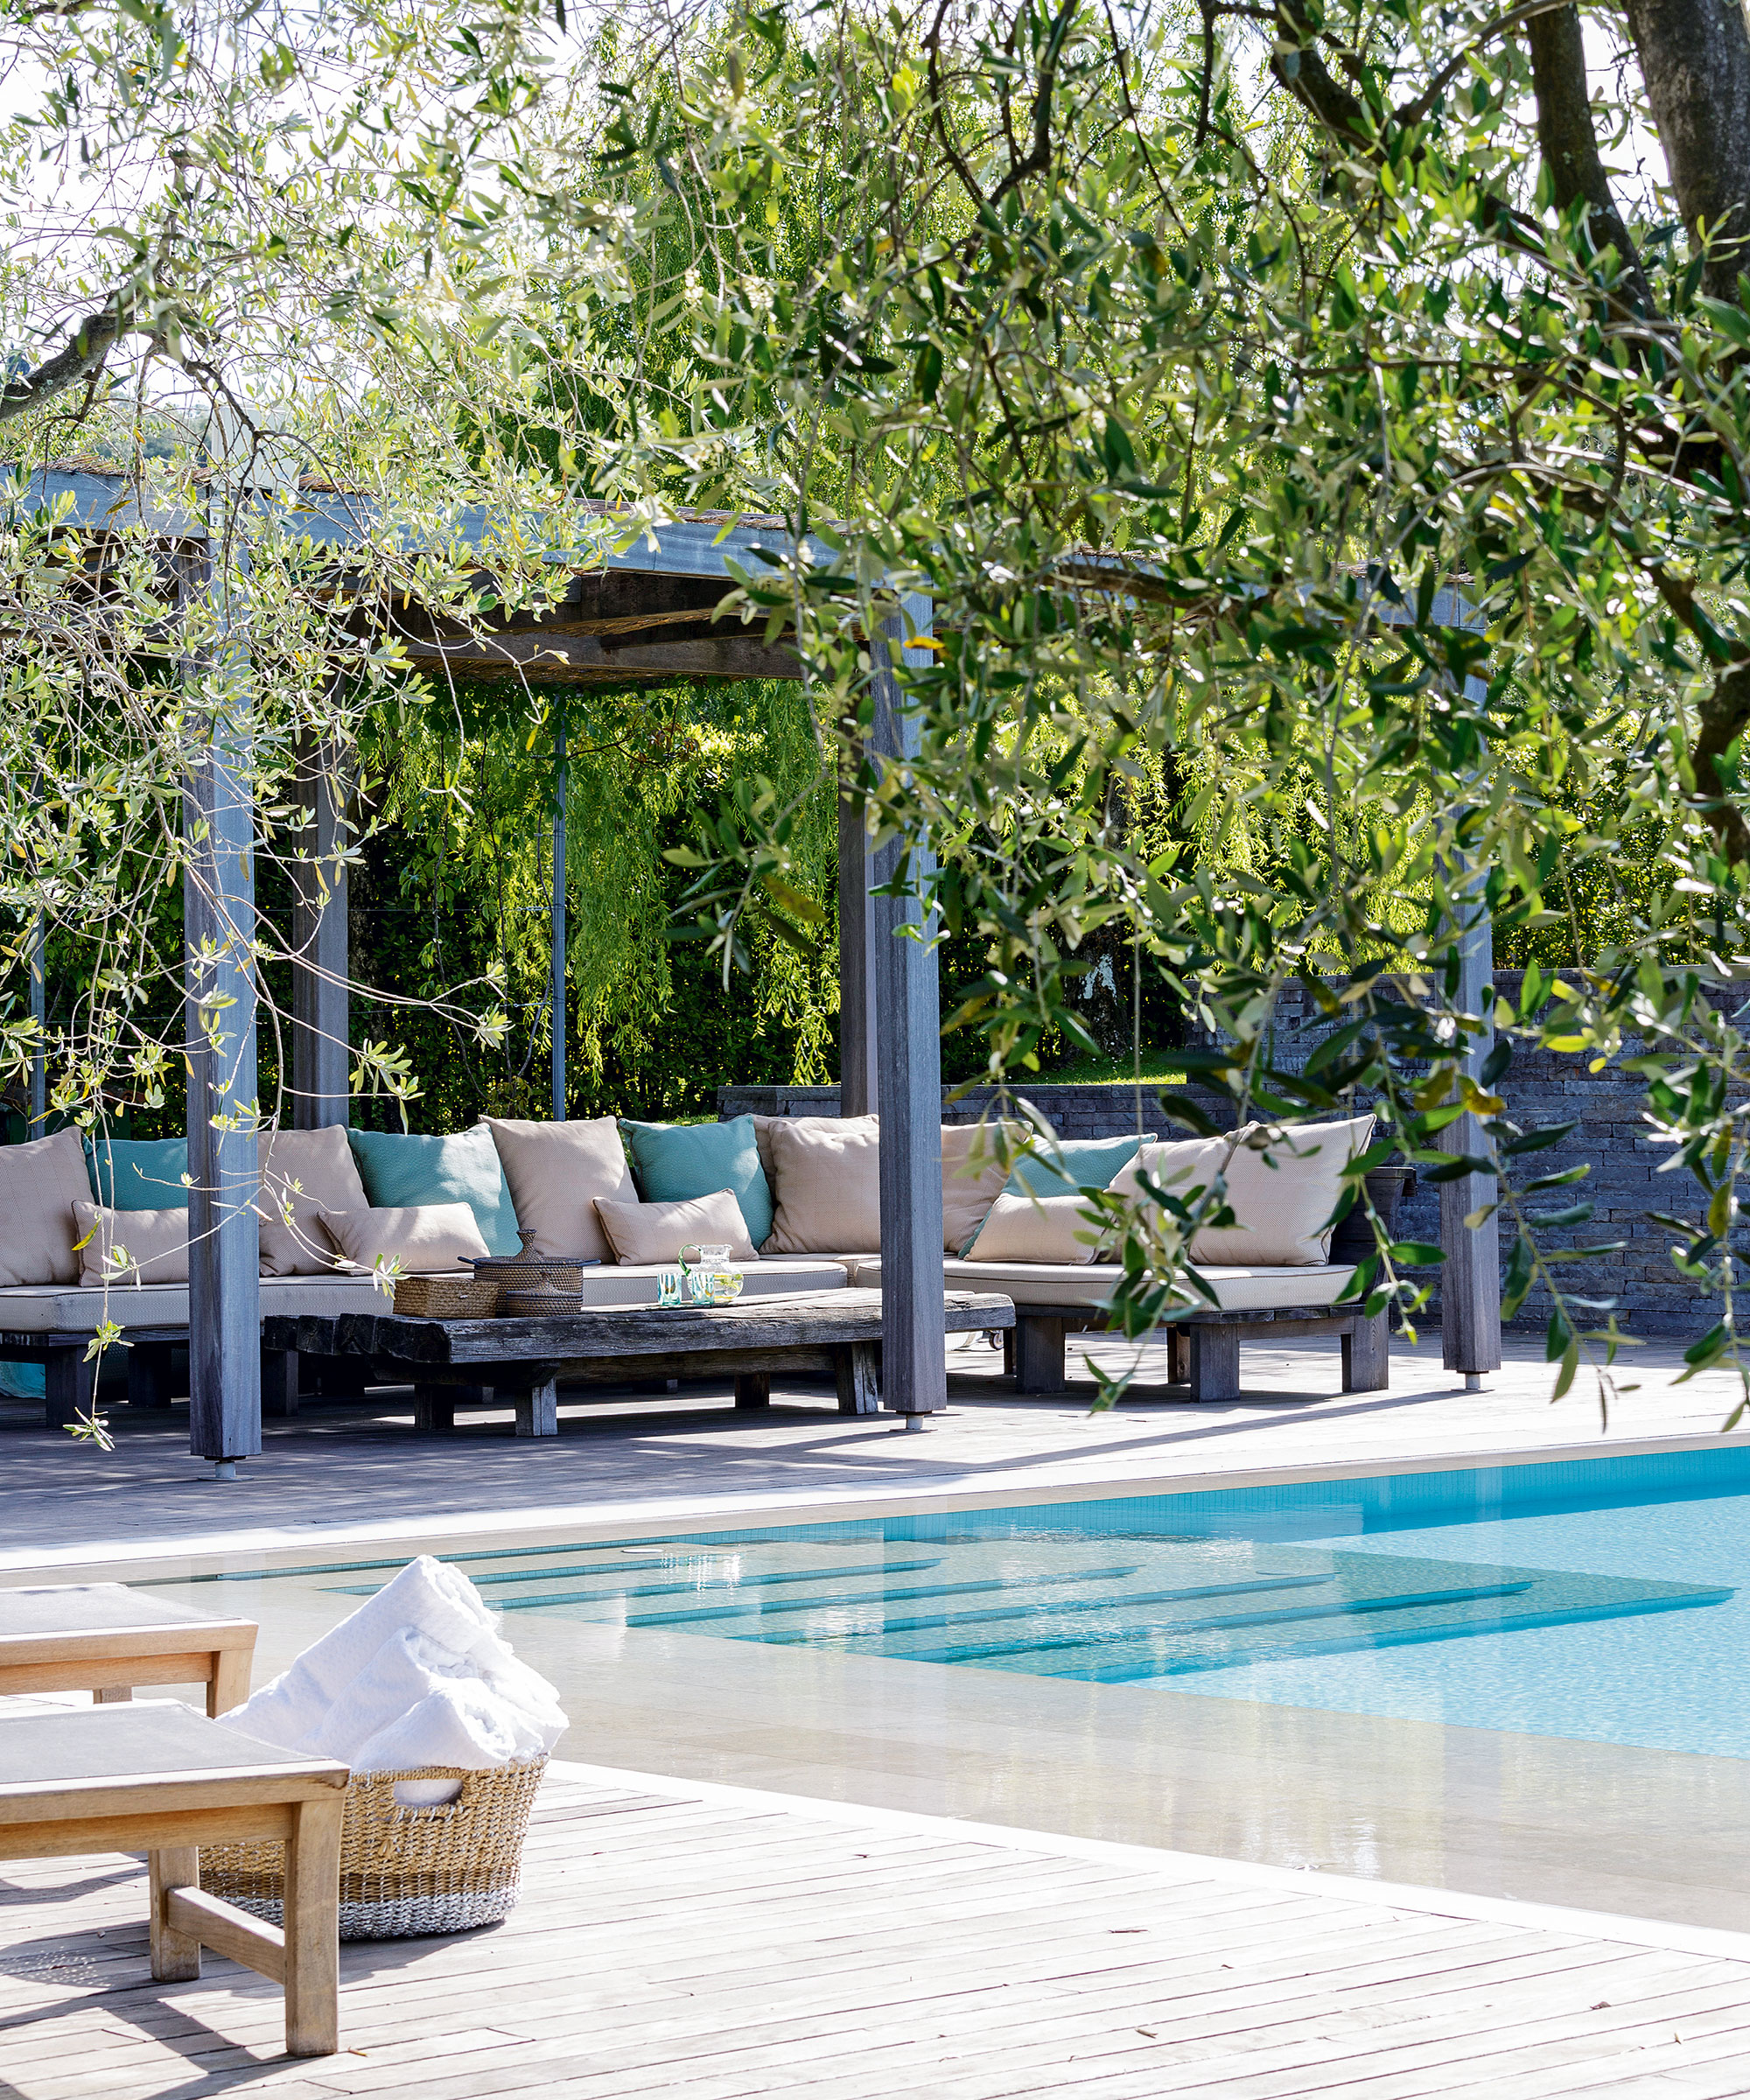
(1541, 1087)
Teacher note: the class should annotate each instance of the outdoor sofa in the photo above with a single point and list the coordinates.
(95, 1234)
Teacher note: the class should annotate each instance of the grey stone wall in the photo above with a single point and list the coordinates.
(1541, 1087)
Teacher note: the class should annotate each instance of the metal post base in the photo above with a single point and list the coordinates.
(912, 1422)
(224, 1469)
(1472, 1382)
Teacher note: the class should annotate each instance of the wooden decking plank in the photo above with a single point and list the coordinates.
(707, 1951)
(1473, 2053)
(664, 2048)
(946, 2019)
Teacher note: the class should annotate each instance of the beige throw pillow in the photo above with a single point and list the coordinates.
(826, 1182)
(132, 1246)
(968, 1190)
(764, 1126)
(656, 1232)
(1282, 1184)
(40, 1184)
(1179, 1166)
(1037, 1228)
(427, 1239)
(305, 1173)
(555, 1172)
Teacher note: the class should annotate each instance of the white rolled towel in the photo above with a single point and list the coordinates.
(460, 1723)
(405, 1672)
(427, 1600)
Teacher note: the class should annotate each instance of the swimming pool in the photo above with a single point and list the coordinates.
(1598, 1600)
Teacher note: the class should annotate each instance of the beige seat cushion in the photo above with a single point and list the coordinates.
(75, 1309)
(555, 1172)
(657, 1232)
(132, 1246)
(1037, 1228)
(1282, 1184)
(1251, 1290)
(68, 1309)
(427, 1239)
(826, 1183)
(972, 1176)
(305, 1173)
(40, 1184)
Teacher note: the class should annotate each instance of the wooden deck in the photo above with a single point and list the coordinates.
(365, 1471)
(712, 1946)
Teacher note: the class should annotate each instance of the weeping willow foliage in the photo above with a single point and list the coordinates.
(466, 784)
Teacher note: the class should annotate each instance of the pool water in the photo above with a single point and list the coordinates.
(1607, 1601)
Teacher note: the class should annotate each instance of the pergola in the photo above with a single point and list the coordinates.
(638, 615)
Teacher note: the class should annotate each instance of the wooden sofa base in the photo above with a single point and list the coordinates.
(70, 1375)
(1203, 1351)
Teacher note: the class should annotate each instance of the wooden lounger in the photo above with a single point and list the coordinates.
(157, 1778)
(104, 1638)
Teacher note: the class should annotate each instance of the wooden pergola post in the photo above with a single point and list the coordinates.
(859, 1083)
(39, 1013)
(1470, 1276)
(219, 932)
(562, 781)
(321, 1019)
(904, 982)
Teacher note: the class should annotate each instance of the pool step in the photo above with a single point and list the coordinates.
(1390, 1601)
(1045, 1607)
(1259, 1586)
(874, 1600)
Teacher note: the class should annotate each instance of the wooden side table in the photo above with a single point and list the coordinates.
(105, 1638)
(157, 1778)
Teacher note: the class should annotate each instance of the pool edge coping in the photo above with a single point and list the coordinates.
(562, 1524)
(1170, 1864)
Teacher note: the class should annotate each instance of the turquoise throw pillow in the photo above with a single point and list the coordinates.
(1088, 1162)
(675, 1161)
(398, 1170)
(138, 1174)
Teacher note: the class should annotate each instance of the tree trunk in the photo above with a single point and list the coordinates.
(1569, 142)
(1724, 717)
(1695, 59)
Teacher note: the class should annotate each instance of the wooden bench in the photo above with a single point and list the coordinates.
(521, 1363)
(1203, 1350)
(104, 1638)
(159, 1779)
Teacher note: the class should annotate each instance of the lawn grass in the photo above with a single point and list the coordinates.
(1156, 1069)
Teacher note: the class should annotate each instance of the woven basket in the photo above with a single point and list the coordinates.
(536, 1304)
(528, 1272)
(447, 1297)
(404, 1870)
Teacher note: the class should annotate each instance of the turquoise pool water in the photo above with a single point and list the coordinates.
(1607, 1600)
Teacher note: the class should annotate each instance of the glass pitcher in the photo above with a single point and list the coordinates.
(712, 1279)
